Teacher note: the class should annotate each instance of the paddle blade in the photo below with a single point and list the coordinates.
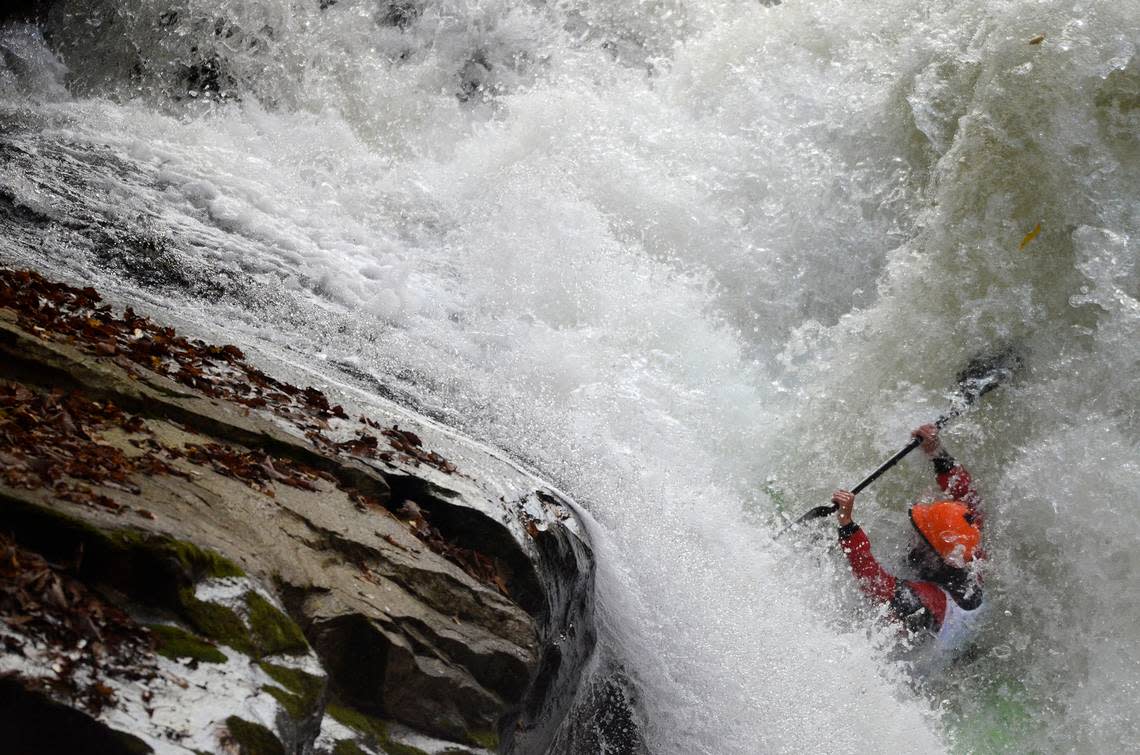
(988, 371)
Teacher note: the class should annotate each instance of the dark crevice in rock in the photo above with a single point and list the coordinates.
(389, 673)
(303, 698)
(131, 566)
(23, 10)
(501, 673)
(33, 724)
(355, 654)
(471, 529)
(327, 540)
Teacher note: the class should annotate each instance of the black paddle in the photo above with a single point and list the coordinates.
(978, 378)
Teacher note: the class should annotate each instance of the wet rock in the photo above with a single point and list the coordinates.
(31, 722)
(604, 718)
(475, 79)
(272, 559)
(23, 10)
(399, 13)
(205, 77)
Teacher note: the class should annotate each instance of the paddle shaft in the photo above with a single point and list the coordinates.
(830, 508)
(979, 377)
(914, 443)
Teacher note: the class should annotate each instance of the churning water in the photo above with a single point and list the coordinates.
(698, 263)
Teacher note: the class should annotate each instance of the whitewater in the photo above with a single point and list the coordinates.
(696, 263)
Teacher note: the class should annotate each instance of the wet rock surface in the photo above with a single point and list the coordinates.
(200, 557)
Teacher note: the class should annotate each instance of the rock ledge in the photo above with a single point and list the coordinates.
(200, 558)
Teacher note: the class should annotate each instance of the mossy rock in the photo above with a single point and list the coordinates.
(253, 738)
(273, 632)
(152, 570)
(129, 559)
(196, 563)
(294, 705)
(215, 622)
(398, 748)
(488, 740)
(362, 723)
(268, 631)
(176, 643)
(374, 731)
(296, 681)
(301, 696)
(348, 747)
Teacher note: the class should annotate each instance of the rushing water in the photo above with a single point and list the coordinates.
(696, 262)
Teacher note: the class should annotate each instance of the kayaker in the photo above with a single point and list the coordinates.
(946, 599)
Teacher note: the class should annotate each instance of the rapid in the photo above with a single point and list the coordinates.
(696, 263)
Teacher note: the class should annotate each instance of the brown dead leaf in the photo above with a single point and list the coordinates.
(1029, 237)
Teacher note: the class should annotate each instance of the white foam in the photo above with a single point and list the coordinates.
(670, 251)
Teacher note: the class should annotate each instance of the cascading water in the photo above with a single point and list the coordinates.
(694, 262)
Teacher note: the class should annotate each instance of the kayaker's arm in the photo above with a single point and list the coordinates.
(953, 478)
(874, 580)
(904, 597)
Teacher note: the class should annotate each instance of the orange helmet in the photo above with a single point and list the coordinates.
(946, 527)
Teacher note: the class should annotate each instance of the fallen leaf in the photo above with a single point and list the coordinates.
(1029, 237)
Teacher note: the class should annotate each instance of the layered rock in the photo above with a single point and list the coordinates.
(200, 557)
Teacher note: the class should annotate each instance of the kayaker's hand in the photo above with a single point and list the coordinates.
(845, 500)
(928, 434)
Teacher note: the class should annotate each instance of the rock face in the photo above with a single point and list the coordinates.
(198, 557)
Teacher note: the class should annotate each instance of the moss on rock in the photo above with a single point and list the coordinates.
(488, 740)
(196, 563)
(399, 748)
(293, 704)
(271, 631)
(301, 696)
(357, 721)
(348, 747)
(296, 681)
(214, 621)
(175, 643)
(253, 738)
(374, 731)
(268, 631)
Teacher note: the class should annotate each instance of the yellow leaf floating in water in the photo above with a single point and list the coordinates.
(1029, 237)
(1037, 40)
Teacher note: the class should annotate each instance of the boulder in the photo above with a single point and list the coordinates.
(237, 563)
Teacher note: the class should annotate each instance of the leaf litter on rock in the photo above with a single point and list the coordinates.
(66, 448)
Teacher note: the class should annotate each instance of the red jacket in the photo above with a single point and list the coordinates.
(913, 602)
